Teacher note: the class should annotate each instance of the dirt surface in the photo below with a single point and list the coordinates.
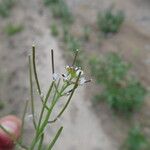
(132, 43)
(85, 127)
(136, 11)
(82, 129)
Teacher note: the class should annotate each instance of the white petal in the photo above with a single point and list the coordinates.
(78, 71)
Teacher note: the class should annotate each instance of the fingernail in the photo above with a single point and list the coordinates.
(9, 126)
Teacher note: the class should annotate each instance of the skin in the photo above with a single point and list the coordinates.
(13, 125)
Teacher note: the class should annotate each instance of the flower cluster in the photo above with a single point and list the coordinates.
(71, 75)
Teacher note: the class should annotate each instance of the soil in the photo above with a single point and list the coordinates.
(86, 127)
(131, 42)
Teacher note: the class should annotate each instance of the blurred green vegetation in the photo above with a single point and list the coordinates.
(110, 21)
(48, 2)
(122, 91)
(136, 140)
(73, 44)
(12, 29)
(54, 30)
(60, 10)
(5, 7)
(86, 33)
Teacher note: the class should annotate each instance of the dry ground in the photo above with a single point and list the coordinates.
(132, 42)
(80, 123)
(85, 127)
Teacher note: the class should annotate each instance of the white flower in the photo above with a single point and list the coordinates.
(71, 75)
(73, 71)
(79, 71)
(66, 77)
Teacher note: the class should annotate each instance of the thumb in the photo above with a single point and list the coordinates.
(13, 125)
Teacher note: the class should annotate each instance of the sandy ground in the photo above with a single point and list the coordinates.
(132, 43)
(82, 129)
(136, 11)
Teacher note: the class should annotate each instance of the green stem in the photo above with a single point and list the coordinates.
(34, 70)
(23, 119)
(69, 99)
(42, 127)
(52, 56)
(41, 142)
(75, 57)
(55, 139)
(45, 102)
(31, 93)
(35, 75)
